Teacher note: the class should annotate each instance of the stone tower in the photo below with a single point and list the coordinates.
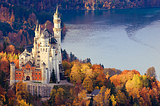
(57, 34)
(12, 73)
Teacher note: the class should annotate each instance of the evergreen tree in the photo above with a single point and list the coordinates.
(53, 77)
(154, 101)
(91, 101)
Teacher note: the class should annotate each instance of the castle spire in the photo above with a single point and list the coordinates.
(37, 26)
(45, 25)
(57, 9)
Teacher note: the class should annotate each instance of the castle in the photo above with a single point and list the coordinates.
(37, 66)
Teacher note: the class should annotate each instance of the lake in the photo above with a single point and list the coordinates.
(122, 39)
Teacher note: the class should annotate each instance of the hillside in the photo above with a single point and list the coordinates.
(17, 24)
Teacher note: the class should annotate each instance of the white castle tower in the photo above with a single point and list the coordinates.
(57, 34)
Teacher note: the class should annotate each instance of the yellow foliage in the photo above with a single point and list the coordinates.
(22, 103)
(96, 87)
(107, 96)
(88, 84)
(74, 76)
(82, 95)
(102, 90)
(89, 73)
(98, 100)
(21, 90)
(121, 98)
(113, 99)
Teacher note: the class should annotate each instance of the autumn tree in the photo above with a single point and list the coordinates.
(74, 76)
(57, 97)
(102, 99)
(4, 65)
(10, 49)
(88, 84)
(100, 79)
(11, 97)
(2, 94)
(82, 95)
(151, 72)
(121, 98)
(21, 91)
(113, 100)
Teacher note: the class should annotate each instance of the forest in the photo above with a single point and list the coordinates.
(114, 87)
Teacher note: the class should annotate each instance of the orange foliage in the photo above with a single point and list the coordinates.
(116, 80)
(98, 68)
(123, 77)
(10, 49)
(125, 72)
(145, 95)
(16, 61)
(4, 65)
(135, 72)
(100, 79)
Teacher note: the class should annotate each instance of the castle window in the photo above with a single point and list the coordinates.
(36, 77)
(19, 73)
(16, 77)
(39, 77)
(36, 73)
(43, 49)
(39, 73)
(46, 49)
(19, 77)
(16, 73)
(38, 51)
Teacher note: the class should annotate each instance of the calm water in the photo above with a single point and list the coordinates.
(121, 39)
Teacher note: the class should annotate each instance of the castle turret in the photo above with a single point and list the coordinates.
(44, 73)
(37, 30)
(57, 34)
(12, 73)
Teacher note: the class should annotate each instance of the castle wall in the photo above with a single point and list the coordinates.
(43, 90)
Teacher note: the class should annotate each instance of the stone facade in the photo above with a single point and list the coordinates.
(37, 65)
(43, 90)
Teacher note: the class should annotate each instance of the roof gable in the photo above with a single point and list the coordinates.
(30, 63)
